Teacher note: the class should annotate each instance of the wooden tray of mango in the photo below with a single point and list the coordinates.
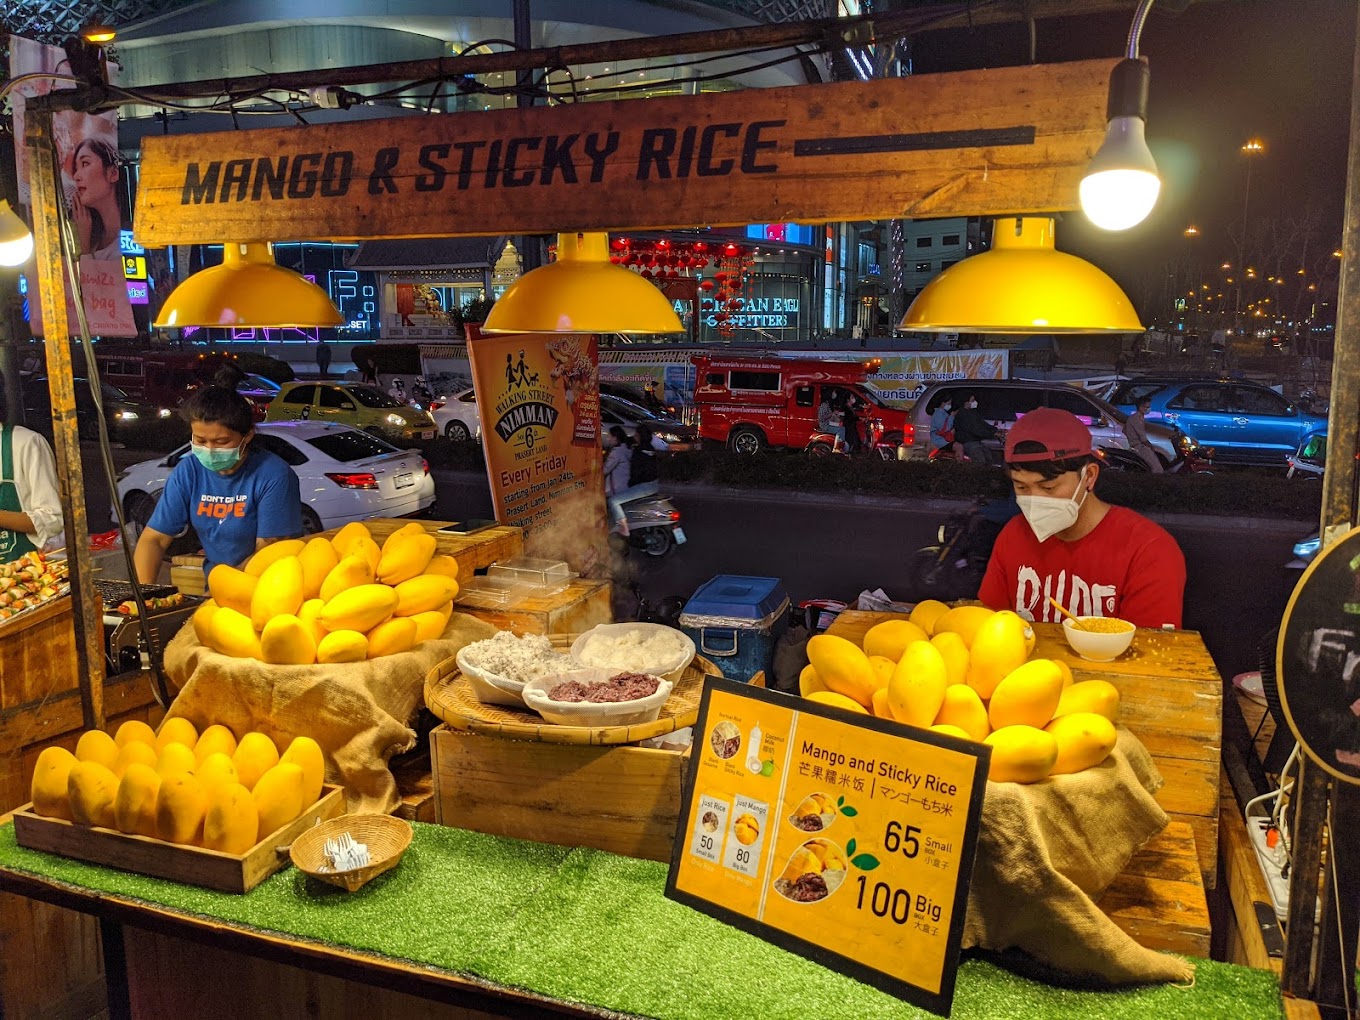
(449, 696)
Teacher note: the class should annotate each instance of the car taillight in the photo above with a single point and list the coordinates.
(908, 434)
(425, 465)
(675, 515)
(435, 405)
(361, 480)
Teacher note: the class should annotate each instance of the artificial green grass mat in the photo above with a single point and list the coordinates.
(592, 927)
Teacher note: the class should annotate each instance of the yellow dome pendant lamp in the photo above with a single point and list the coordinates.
(582, 292)
(16, 241)
(249, 290)
(1023, 284)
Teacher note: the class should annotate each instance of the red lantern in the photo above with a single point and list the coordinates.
(720, 277)
(663, 243)
(618, 244)
(705, 284)
(700, 263)
(700, 246)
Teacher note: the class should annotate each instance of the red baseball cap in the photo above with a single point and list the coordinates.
(1060, 433)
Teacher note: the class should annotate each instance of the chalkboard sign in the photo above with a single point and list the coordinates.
(1318, 659)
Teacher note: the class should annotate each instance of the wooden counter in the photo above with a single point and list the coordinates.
(1171, 698)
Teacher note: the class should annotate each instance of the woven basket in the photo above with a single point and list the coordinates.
(386, 837)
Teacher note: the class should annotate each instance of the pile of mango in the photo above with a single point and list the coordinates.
(178, 786)
(967, 672)
(343, 599)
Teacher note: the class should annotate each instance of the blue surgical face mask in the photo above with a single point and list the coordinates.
(218, 459)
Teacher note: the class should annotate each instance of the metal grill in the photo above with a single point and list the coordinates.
(115, 593)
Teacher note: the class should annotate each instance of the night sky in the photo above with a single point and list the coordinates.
(1222, 72)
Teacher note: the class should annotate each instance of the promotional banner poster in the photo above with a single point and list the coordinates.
(90, 175)
(846, 839)
(538, 397)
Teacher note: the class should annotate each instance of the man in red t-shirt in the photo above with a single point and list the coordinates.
(1093, 558)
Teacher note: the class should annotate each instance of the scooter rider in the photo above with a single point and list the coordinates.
(642, 476)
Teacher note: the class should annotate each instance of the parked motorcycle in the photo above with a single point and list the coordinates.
(653, 525)
(953, 569)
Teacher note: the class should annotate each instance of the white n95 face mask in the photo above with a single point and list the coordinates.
(1049, 515)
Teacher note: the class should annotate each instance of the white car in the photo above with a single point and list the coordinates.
(344, 475)
(456, 418)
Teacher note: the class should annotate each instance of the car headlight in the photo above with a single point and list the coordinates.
(395, 419)
(1308, 547)
(1184, 443)
(164, 412)
(668, 437)
(125, 415)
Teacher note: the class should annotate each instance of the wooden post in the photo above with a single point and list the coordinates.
(1301, 977)
(86, 612)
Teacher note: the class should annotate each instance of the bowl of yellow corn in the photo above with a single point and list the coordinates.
(1098, 638)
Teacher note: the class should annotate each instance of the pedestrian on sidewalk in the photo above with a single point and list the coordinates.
(323, 358)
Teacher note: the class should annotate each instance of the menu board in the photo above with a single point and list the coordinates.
(844, 838)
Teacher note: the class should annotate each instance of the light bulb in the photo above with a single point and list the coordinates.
(1121, 184)
(16, 241)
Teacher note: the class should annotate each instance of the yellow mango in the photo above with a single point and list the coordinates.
(442, 563)
(430, 626)
(135, 753)
(216, 770)
(215, 738)
(255, 755)
(350, 572)
(279, 592)
(305, 753)
(310, 615)
(809, 681)
(843, 667)
(950, 731)
(406, 556)
(926, 613)
(368, 549)
(1028, 696)
(997, 648)
(342, 646)
(837, 701)
(134, 806)
(175, 758)
(279, 796)
(410, 528)
(180, 807)
(92, 788)
(272, 553)
(917, 688)
(232, 588)
(391, 638)
(963, 621)
(231, 823)
(97, 746)
(134, 729)
(234, 635)
(178, 730)
(883, 670)
(1098, 696)
(955, 655)
(1021, 754)
(361, 608)
(347, 536)
(891, 637)
(424, 593)
(963, 708)
(318, 558)
(202, 621)
(1084, 739)
(1066, 672)
(49, 790)
(287, 641)
(879, 705)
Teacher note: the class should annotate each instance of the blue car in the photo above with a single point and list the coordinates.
(1245, 422)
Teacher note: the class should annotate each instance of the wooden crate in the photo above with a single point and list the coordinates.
(1171, 698)
(1159, 898)
(623, 799)
(577, 608)
(233, 873)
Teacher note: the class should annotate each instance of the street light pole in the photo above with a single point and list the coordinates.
(1250, 150)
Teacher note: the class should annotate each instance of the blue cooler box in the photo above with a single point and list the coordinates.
(735, 622)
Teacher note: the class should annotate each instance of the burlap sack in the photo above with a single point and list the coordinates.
(358, 712)
(1047, 851)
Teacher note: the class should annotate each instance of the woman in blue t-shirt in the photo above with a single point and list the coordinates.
(236, 497)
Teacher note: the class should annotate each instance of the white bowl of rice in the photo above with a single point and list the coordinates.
(635, 647)
(498, 668)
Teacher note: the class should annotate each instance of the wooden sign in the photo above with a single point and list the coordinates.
(1318, 659)
(843, 838)
(972, 143)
